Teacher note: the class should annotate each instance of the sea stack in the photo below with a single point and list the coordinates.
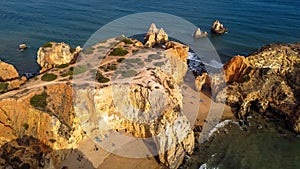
(199, 34)
(218, 28)
(155, 36)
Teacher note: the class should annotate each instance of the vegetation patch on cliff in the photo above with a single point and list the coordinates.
(3, 86)
(127, 41)
(101, 79)
(79, 69)
(62, 66)
(47, 45)
(49, 77)
(88, 51)
(39, 100)
(119, 52)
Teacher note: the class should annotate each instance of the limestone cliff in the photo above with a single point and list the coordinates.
(9, 77)
(133, 89)
(36, 122)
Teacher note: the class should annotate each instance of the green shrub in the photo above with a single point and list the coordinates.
(127, 41)
(134, 60)
(154, 56)
(39, 100)
(101, 79)
(88, 51)
(118, 52)
(47, 45)
(49, 77)
(159, 64)
(120, 60)
(129, 73)
(63, 66)
(3, 86)
(25, 126)
(79, 69)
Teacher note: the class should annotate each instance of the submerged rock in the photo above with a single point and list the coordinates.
(53, 54)
(266, 80)
(199, 34)
(218, 28)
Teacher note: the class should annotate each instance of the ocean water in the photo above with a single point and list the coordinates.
(251, 23)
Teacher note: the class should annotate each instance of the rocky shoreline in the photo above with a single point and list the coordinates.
(39, 116)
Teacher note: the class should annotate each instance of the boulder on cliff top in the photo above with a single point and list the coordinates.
(8, 72)
(218, 28)
(53, 54)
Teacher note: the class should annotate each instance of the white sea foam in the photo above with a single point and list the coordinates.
(212, 63)
(204, 166)
(219, 126)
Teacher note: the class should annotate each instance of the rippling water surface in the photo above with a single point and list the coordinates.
(252, 23)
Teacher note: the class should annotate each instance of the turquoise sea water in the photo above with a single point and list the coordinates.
(252, 23)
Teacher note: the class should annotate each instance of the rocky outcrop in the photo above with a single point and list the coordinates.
(266, 81)
(150, 106)
(9, 77)
(178, 49)
(236, 69)
(29, 129)
(199, 34)
(53, 54)
(8, 72)
(218, 28)
(155, 36)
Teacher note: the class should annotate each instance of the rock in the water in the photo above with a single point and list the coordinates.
(53, 54)
(155, 36)
(267, 80)
(8, 72)
(162, 36)
(23, 46)
(199, 34)
(218, 28)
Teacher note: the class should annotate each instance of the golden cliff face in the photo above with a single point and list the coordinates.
(267, 79)
(136, 93)
(52, 126)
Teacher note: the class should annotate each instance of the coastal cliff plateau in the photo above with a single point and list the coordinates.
(131, 89)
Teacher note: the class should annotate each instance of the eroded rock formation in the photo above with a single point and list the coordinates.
(218, 28)
(9, 77)
(199, 34)
(36, 123)
(266, 81)
(155, 36)
(53, 54)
